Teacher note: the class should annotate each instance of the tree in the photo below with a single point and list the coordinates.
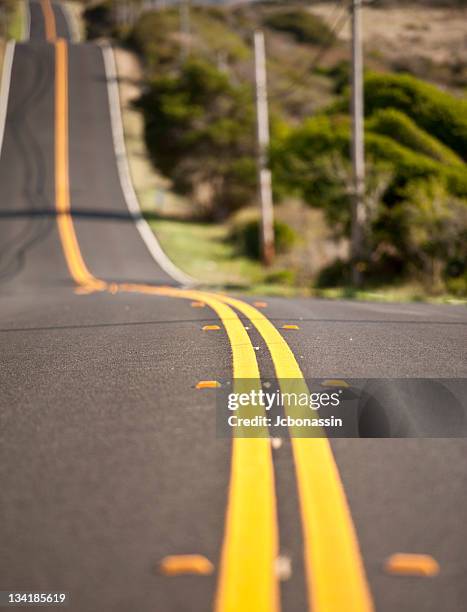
(436, 231)
(200, 133)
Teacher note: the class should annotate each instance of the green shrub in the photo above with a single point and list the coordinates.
(398, 126)
(302, 25)
(199, 129)
(246, 235)
(339, 73)
(457, 286)
(216, 36)
(281, 277)
(154, 37)
(310, 160)
(335, 274)
(435, 230)
(296, 156)
(437, 112)
(99, 20)
(409, 165)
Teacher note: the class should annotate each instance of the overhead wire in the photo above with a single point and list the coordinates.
(342, 17)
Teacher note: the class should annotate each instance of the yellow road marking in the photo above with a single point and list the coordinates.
(290, 327)
(247, 580)
(49, 19)
(334, 382)
(198, 304)
(406, 564)
(334, 568)
(74, 260)
(208, 384)
(174, 565)
(211, 327)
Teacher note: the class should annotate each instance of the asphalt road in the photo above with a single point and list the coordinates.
(108, 455)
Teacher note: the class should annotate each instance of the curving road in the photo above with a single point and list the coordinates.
(109, 460)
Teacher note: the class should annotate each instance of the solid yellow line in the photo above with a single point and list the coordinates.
(247, 580)
(74, 260)
(334, 568)
(49, 19)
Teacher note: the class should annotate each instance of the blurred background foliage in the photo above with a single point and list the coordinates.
(198, 105)
(11, 20)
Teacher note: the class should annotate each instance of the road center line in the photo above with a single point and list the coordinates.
(49, 19)
(335, 573)
(246, 578)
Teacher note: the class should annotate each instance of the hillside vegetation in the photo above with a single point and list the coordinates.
(198, 104)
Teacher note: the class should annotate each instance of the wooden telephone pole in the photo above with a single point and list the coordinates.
(185, 29)
(358, 146)
(264, 173)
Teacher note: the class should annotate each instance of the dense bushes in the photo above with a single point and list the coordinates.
(302, 160)
(199, 122)
(200, 133)
(99, 20)
(246, 235)
(416, 196)
(153, 38)
(437, 112)
(156, 37)
(302, 25)
(398, 126)
(435, 227)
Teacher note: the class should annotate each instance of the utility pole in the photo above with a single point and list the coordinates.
(185, 29)
(264, 173)
(358, 146)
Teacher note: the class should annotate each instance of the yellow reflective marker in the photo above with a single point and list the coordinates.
(290, 327)
(208, 384)
(198, 304)
(334, 382)
(406, 564)
(174, 565)
(211, 327)
(83, 290)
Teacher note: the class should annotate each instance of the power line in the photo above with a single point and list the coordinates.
(334, 32)
(336, 29)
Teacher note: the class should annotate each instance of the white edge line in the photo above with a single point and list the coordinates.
(5, 87)
(27, 21)
(131, 199)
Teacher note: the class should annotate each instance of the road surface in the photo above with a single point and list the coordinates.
(109, 457)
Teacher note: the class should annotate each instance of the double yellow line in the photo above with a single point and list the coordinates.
(335, 573)
(247, 580)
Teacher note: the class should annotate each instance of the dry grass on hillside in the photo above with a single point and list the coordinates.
(428, 41)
